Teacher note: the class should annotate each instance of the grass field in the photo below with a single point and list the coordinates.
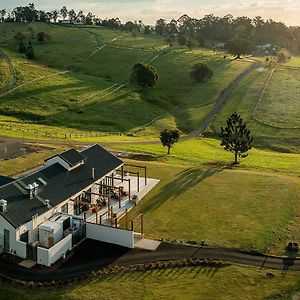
(280, 106)
(193, 283)
(83, 99)
(276, 120)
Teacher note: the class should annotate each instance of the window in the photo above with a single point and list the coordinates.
(64, 208)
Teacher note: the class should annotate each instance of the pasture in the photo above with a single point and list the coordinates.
(94, 94)
(270, 108)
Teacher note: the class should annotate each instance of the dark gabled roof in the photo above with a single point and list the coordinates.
(72, 157)
(5, 180)
(61, 184)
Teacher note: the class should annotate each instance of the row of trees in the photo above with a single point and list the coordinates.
(29, 13)
(235, 137)
(256, 30)
(191, 30)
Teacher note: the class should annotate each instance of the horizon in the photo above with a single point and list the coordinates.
(151, 10)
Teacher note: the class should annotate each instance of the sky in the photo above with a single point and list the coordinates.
(149, 11)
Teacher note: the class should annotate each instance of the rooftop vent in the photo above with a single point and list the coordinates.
(47, 202)
(3, 205)
(33, 189)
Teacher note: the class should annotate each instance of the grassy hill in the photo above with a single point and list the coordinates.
(268, 100)
(93, 95)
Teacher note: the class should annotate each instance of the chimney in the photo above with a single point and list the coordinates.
(3, 205)
(93, 173)
(47, 202)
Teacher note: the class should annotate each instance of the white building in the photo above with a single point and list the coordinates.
(46, 213)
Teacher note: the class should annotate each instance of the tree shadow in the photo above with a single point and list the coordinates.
(182, 183)
(288, 261)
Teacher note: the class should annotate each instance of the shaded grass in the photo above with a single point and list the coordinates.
(195, 283)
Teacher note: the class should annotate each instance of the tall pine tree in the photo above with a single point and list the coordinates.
(236, 137)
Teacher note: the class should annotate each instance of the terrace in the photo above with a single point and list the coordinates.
(111, 198)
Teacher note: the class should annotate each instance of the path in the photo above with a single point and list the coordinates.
(83, 265)
(12, 71)
(219, 104)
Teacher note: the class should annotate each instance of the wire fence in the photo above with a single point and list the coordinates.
(23, 131)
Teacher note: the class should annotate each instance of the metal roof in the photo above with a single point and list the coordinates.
(5, 180)
(61, 185)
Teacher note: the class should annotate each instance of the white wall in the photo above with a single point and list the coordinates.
(110, 235)
(47, 257)
(16, 247)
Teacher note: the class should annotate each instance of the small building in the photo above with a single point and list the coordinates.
(76, 195)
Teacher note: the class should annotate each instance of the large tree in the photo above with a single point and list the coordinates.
(236, 138)
(169, 137)
(64, 12)
(239, 46)
(144, 76)
(201, 71)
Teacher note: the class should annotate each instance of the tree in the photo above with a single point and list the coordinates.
(64, 12)
(147, 30)
(130, 26)
(201, 71)
(43, 36)
(199, 38)
(160, 26)
(2, 14)
(29, 51)
(72, 14)
(145, 76)
(22, 47)
(55, 15)
(20, 36)
(239, 46)
(236, 137)
(169, 137)
(182, 40)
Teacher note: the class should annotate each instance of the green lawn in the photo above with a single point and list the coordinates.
(206, 151)
(193, 283)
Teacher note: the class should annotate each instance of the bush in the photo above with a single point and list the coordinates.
(201, 71)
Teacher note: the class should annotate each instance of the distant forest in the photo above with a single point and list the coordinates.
(210, 27)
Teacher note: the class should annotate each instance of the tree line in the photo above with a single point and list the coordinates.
(224, 29)
(191, 31)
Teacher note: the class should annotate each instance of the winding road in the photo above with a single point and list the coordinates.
(123, 257)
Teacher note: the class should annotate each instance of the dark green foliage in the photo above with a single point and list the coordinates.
(43, 36)
(236, 137)
(239, 46)
(169, 137)
(182, 40)
(22, 47)
(144, 76)
(201, 71)
(20, 36)
(29, 51)
(199, 38)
